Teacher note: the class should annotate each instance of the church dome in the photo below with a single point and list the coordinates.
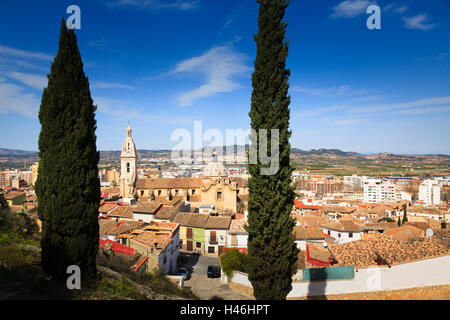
(214, 168)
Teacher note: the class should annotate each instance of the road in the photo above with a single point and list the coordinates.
(203, 287)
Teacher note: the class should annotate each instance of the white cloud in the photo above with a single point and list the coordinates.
(347, 122)
(157, 4)
(14, 99)
(336, 90)
(418, 22)
(405, 105)
(8, 51)
(423, 110)
(218, 66)
(109, 85)
(32, 80)
(394, 8)
(351, 8)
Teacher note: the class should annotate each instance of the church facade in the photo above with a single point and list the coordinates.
(214, 188)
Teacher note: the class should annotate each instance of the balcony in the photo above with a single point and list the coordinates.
(213, 241)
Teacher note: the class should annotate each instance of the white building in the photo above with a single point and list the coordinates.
(216, 229)
(237, 236)
(353, 182)
(342, 231)
(430, 192)
(377, 190)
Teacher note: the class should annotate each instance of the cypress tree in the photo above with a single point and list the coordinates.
(271, 243)
(405, 217)
(68, 188)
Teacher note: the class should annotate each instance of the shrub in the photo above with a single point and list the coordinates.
(233, 260)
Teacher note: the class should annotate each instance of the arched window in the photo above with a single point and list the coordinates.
(128, 167)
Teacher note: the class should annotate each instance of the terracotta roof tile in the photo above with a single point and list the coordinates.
(302, 233)
(393, 251)
(169, 183)
(122, 212)
(237, 226)
(146, 207)
(197, 220)
(218, 222)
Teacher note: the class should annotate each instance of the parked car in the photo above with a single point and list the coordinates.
(213, 272)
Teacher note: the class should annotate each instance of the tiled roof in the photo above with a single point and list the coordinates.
(339, 209)
(197, 220)
(146, 207)
(237, 226)
(149, 238)
(107, 207)
(124, 227)
(310, 220)
(218, 222)
(182, 218)
(316, 256)
(302, 233)
(169, 183)
(31, 198)
(406, 233)
(166, 213)
(13, 194)
(347, 226)
(105, 225)
(122, 212)
(393, 251)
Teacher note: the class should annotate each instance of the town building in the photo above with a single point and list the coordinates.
(342, 231)
(430, 192)
(237, 236)
(377, 190)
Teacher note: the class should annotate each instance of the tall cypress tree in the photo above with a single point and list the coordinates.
(68, 188)
(271, 243)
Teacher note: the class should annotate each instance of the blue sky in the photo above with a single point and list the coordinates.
(161, 65)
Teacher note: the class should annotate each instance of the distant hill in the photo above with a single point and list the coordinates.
(296, 152)
(17, 153)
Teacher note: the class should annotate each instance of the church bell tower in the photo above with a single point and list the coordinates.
(128, 167)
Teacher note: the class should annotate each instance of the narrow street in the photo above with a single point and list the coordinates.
(202, 286)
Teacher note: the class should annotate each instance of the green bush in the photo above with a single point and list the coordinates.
(233, 260)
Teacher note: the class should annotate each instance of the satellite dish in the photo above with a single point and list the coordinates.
(429, 233)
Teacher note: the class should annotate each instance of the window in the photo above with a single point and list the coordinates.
(193, 191)
(339, 235)
(350, 235)
(142, 193)
(128, 167)
(211, 249)
(219, 195)
(189, 232)
(176, 192)
(329, 233)
(198, 245)
(159, 193)
(212, 237)
(234, 241)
